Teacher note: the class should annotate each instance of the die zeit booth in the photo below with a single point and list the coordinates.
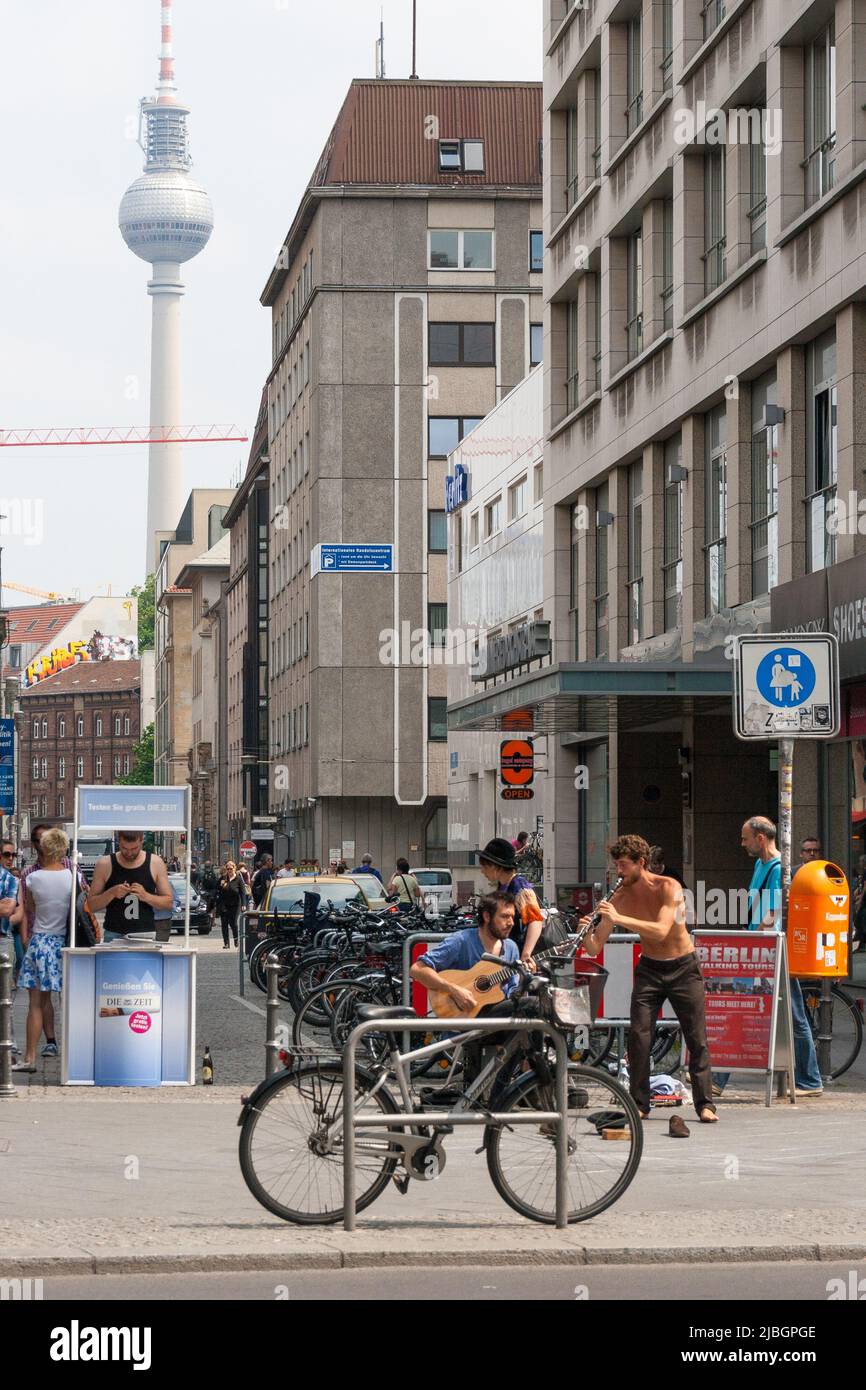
(129, 1005)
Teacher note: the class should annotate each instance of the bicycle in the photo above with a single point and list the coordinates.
(846, 1027)
(291, 1141)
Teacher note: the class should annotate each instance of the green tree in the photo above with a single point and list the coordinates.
(146, 607)
(142, 762)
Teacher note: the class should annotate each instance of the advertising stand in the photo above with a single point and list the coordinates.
(129, 1006)
(748, 1004)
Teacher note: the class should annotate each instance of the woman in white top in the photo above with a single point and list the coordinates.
(49, 892)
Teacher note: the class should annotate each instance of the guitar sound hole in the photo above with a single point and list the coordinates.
(482, 984)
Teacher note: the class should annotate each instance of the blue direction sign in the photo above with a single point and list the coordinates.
(352, 559)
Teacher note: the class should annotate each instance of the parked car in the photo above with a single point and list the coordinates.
(199, 917)
(437, 888)
(373, 890)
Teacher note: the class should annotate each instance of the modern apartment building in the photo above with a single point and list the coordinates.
(405, 303)
(704, 358)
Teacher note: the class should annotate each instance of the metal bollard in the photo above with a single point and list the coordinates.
(242, 953)
(272, 1043)
(7, 1090)
(825, 1030)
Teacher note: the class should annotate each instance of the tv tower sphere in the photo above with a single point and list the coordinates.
(165, 218)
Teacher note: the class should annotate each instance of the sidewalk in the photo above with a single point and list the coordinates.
(119, 1181)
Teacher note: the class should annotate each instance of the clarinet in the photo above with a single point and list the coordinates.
(596, 916)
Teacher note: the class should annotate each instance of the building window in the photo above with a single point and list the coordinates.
(601, 576)
(436, 837)
(634, 294)
(518, 498)
(79, 726)
(61, 727)
(634, 75)
(44, 773)
(572, 372)
(715, 511)
(116, 766)
(445, 432)
(635, 553)
(437, 623)
(667, 44)
(492, 517)
(45, 728)
(79, 767)
(36, 728)
(821, 452)
(537, 483)
(764, 519)
(98, 768)
(574, 576)
(462, 345)
(126, 725)
(117, 724)
(61, 806)
(99, 726)
(714, 219)
(437, 532)
(35, 769)
(668, 263)
(713, 13)
(473, 531)
(126, 764)
(536, 344)
(596, 117)
(437, 719)
(461, 155)
(471, 250)
(457, 533)
(61, 768)
(536, 252)
(572, 157)
(821, 115)
(758, 194)
(672, 564)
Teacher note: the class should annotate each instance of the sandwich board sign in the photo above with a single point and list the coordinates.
(787, 686)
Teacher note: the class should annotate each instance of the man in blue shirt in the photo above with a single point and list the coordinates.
(463, 949)
(366, 867)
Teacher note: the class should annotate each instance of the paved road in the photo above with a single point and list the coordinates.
(625, 1283)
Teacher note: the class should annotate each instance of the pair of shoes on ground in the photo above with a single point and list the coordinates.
(808, 1091)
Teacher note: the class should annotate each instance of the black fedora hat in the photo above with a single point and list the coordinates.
(499, 852)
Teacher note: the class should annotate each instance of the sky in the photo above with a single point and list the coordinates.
(264, 80)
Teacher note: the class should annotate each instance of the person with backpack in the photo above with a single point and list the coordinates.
(261, 879)
(498, 863)
(405, 885)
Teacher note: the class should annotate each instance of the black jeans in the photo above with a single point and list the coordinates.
(229, 918)
(681, 982)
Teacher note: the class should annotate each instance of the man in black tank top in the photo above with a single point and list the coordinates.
(129, 885)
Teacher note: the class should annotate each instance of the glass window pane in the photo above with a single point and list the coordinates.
(473, 156)
(536, 251)
(477, 250)
(437, 622)
(443, 250)
(449, 154)
(444, 344)
(437, 719)
(478, 344)
(536, 344)
(444, 435)
(437, 532)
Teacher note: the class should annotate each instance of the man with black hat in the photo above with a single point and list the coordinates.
(498, 863)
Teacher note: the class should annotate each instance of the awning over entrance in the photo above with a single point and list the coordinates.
(592, 700)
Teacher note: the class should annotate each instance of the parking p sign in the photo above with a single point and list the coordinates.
(787, 686)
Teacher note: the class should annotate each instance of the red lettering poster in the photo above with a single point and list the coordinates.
(739, 969)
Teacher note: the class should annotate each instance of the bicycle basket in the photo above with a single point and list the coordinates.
(570, 1008)
(591, 978)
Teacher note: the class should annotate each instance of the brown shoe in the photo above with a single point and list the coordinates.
(678, 1129)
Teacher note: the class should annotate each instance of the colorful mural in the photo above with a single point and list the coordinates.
(98, 648)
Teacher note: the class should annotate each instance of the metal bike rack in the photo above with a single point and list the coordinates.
(272, 1042)
(404, 1120)
(406, 979)
(7, 956)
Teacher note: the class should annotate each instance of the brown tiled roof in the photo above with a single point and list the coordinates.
(89, 678)
(46, 619)
(381, 133)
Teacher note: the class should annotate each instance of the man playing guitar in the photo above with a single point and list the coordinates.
(463, 949)
(654, 908)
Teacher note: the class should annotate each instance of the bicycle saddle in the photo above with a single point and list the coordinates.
(370, 1013)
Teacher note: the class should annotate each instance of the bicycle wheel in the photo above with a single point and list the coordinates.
(847, 1025)
(311, 1026)
(666, 1052)
(291, 1146)
(522, 1161)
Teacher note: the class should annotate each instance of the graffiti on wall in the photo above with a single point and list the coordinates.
(98, 648)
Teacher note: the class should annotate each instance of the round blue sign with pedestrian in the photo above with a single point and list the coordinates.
(785, 677)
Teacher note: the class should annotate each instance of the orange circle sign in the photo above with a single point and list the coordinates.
(516, 762)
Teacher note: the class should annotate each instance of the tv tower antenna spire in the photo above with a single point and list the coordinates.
(166, 218)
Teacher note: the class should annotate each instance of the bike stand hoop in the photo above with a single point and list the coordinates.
(443, 1025)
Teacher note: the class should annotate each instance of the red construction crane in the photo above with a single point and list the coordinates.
(122, 434)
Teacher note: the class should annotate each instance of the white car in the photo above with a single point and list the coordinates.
(437, 888)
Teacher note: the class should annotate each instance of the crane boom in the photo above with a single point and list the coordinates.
(122, 434)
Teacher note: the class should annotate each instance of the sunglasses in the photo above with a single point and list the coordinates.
(7, 854)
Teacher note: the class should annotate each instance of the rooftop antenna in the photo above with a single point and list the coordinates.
(414, 38)
(380, 46)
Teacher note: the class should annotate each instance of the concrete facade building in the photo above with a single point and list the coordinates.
(406, 302)
(204, 578)
(704, 358)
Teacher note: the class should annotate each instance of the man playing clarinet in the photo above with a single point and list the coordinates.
(654, 907)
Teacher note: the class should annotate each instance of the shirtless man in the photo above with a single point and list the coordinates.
(654, 908)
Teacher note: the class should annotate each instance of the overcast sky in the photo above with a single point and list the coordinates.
(264, 79)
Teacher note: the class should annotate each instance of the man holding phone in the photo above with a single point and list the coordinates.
(129, 885)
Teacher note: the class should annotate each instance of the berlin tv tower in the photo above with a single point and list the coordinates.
(166, 218)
